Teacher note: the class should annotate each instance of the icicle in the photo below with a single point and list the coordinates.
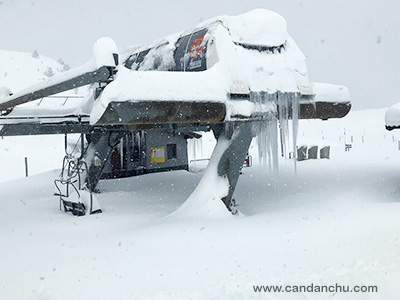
(295, 125)
(198, 146)
(266, 131)
(195, 147)
(191, 149)
(267, 140)
(283, 116)
(274, 148)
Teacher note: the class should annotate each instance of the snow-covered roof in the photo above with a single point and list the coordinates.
(255, 70)
(257, 27)
(325, 92)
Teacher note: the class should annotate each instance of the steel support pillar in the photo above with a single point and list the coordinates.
(239, 135)
(98, 153)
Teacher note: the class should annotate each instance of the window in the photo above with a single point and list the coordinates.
(171, 151)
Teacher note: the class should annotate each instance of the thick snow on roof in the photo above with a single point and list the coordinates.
(266, 71)
(392, 117)
(260, 71)
(325, 92)
(257, 27)
(167, 86)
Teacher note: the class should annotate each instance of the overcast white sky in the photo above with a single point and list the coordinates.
(355, 43)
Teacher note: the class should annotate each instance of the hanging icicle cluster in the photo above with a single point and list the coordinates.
(288, 108)
(295, 126)
(195, 148)
(266, 129)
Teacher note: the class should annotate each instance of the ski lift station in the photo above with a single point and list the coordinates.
(239, 77)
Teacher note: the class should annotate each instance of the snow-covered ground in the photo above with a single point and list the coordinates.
(336, 222)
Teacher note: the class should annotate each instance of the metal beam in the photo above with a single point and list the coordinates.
(324, 110)
(41, 129)
(102, 74)
(162, 112)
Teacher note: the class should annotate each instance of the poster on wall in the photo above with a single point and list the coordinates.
(157, 155)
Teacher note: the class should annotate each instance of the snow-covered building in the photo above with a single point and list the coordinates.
(237, 76)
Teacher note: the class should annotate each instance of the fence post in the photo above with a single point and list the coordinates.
(26, 167)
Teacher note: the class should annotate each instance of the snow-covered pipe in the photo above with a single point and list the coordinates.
(100, 68)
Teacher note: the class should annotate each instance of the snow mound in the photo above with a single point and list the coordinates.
(205, 200)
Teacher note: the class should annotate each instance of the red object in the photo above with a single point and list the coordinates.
(196, 49)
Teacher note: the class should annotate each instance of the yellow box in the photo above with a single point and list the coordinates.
(157, 155)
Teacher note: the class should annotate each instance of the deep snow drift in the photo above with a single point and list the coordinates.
(336, 222)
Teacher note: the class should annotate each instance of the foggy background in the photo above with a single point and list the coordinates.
(354, 43)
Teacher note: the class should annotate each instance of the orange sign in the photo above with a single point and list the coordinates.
(196, 48)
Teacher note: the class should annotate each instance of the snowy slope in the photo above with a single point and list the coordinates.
(336, 222)
(19, 70)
